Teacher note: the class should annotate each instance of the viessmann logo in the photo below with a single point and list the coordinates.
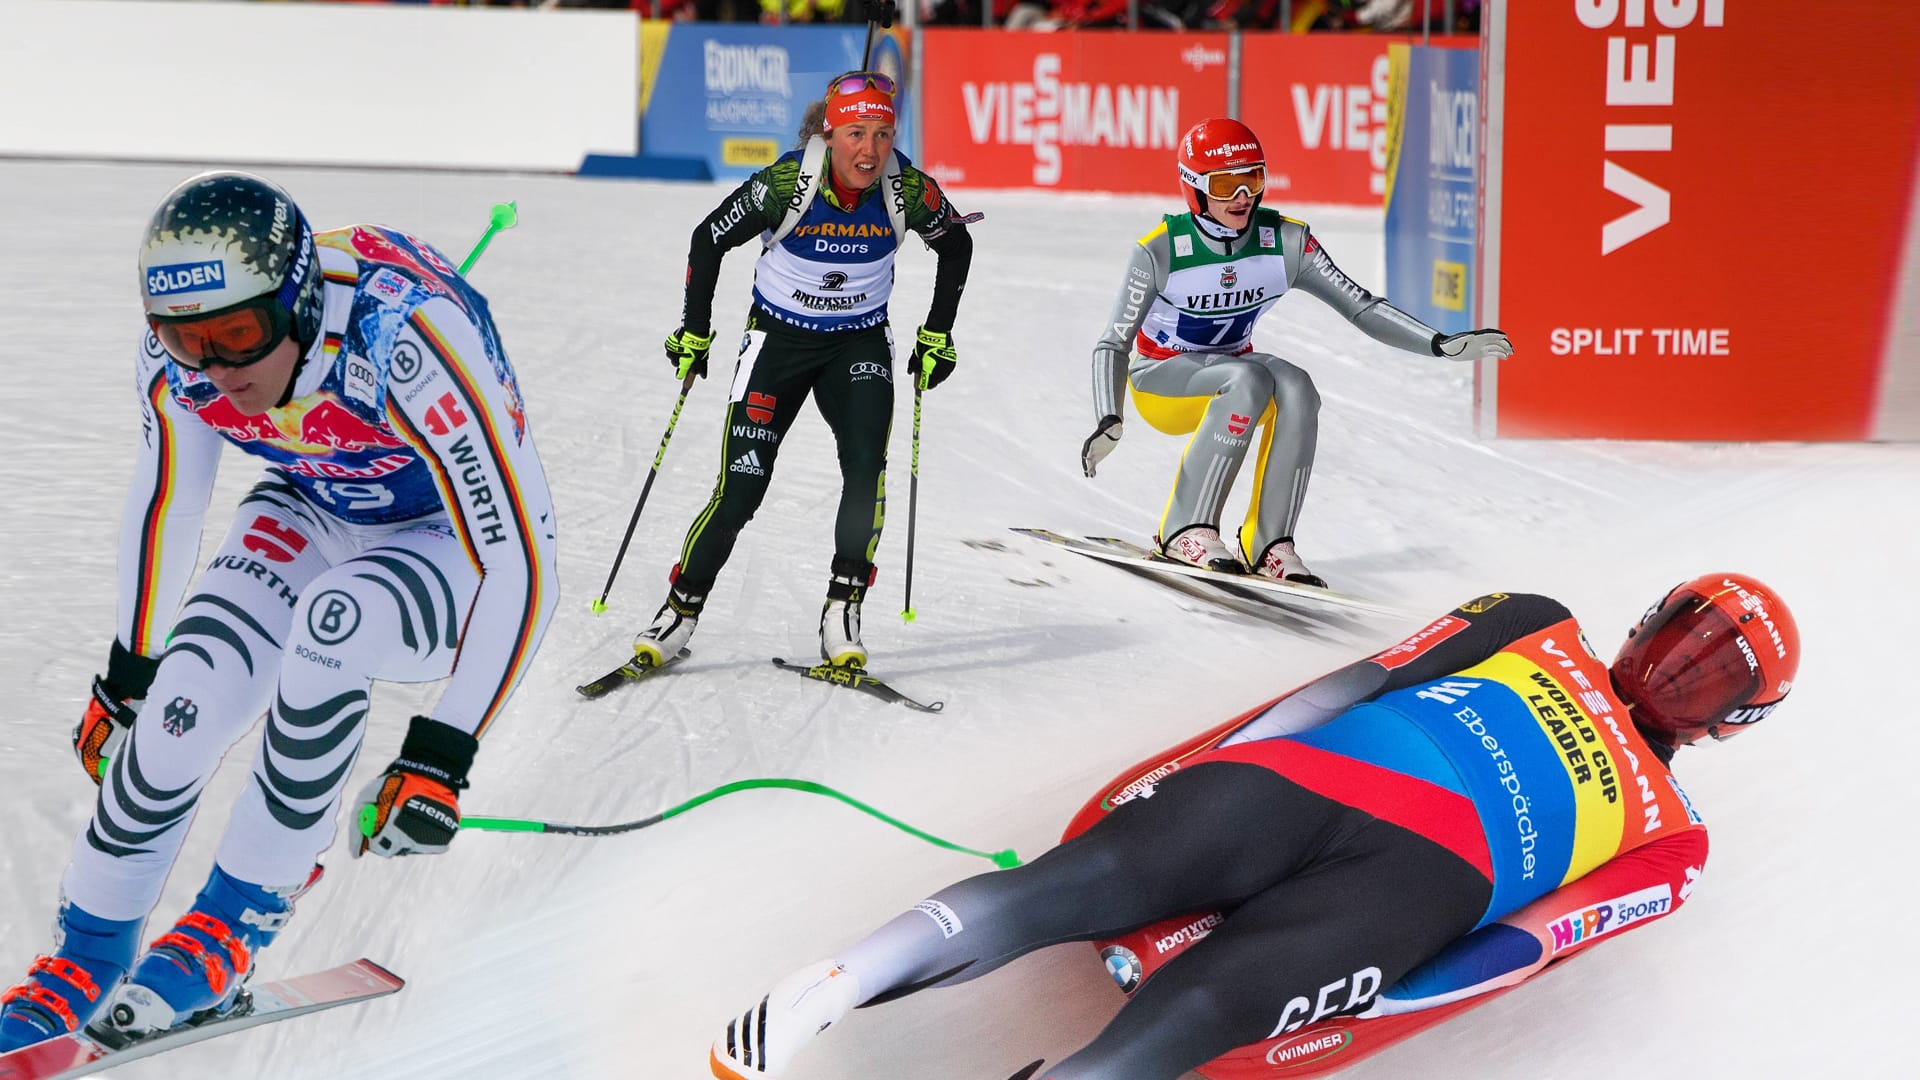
(1313, 1046)
(1048, 113)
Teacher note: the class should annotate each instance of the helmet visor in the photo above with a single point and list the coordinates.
(1229, 183)
(1689, 667)
(236, 337)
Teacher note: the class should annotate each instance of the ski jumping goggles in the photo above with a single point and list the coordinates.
(1229, 183)
(854, 82)
(236, 337)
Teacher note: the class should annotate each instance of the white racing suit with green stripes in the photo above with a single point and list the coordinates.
(402, 531)
(1182, 333)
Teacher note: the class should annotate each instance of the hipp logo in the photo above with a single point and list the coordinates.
(1616, 914)
(185, 277)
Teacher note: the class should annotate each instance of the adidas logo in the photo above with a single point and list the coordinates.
(748, 463)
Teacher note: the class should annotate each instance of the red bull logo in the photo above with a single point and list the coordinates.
(373, 247)
(333, 425)
(227, 420)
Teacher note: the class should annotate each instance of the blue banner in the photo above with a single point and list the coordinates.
(1433, 186)
(733, 95)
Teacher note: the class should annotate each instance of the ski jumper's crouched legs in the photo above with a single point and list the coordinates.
(1307, 882)
(1220, 399)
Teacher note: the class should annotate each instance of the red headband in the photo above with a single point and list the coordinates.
(868, 104)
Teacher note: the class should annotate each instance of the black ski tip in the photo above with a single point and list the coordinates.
(1028, 1072)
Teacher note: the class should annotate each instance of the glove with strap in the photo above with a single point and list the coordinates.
(112, 708)
(1473, 345)
(687, 352)
(1100, 444)
(933, 357)
(414, 807)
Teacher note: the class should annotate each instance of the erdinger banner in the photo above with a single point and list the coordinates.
(1698, 220)
(1432, 186)
(1085, 111)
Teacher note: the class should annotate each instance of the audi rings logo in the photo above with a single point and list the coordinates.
(406, 362)
(333, 617)
(867, 369)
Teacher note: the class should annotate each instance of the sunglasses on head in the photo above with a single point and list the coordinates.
(855, 81)
(236, 337)
(1225, 185)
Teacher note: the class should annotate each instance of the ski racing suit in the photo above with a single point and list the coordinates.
(1181, 332)
(1439, 820)
(818, 327)
(402, 530)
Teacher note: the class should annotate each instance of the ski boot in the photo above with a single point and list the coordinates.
(1281, 563)
(760, 1044)
(198, 970)
(672, 627)
(64, 991)
(840, 615)
(1200, 545)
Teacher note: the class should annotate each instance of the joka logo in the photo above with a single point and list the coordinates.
(1237, 424)
(760, 408)
(1227, 277)
(833, 282)
(748, 463)
(333, 617)
(179, 717)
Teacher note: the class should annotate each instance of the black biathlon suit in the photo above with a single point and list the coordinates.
(818, 325)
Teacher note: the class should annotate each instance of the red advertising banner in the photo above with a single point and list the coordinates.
(1085, 111)
(1694, 216)
(1319, 104)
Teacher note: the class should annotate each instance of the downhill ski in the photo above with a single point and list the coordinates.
(100, 1047)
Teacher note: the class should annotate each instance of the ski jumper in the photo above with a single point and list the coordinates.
(1439, 820)
(818, 326)
(402, 530)
(1181, 332)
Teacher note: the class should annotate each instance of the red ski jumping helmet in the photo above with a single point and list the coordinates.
(1218, 158)
(1712, 658)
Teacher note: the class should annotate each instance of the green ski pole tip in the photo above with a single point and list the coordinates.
(1006, 860)
(505, 215)
(909, 615)
(599, 607)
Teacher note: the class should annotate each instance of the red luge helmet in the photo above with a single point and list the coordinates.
(1213, 145)
(1712, 658)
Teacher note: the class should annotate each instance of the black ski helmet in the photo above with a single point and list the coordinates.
(221, 239)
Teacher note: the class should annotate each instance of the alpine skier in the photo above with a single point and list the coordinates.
(1405, 832)
(830, 217)
(1181, 333)
(402, 530)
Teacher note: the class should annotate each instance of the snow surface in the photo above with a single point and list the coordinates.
(532, 956)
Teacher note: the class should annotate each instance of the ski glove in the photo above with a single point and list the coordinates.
(414, 807)
(1473, 345)
(1100, 444)
(933, 357)
(687, 352)
(111, 709)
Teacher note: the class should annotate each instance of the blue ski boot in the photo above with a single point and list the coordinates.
(199, 969)
(64, 991)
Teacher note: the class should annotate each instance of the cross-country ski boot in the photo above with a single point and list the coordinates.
(198, 970)
(63, 991)
(672, 627)
(760, 1043)
(840, 615)
(1200, 545)
(1281, 563)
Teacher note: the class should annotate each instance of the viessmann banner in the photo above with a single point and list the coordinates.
(1085, 111)
(1699, 220)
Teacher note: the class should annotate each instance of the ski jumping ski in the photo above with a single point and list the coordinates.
(632, 671)
(99, 1047)
(857, 679)
(1135, 557)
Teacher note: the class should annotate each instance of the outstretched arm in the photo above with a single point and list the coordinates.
(1630, 890)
